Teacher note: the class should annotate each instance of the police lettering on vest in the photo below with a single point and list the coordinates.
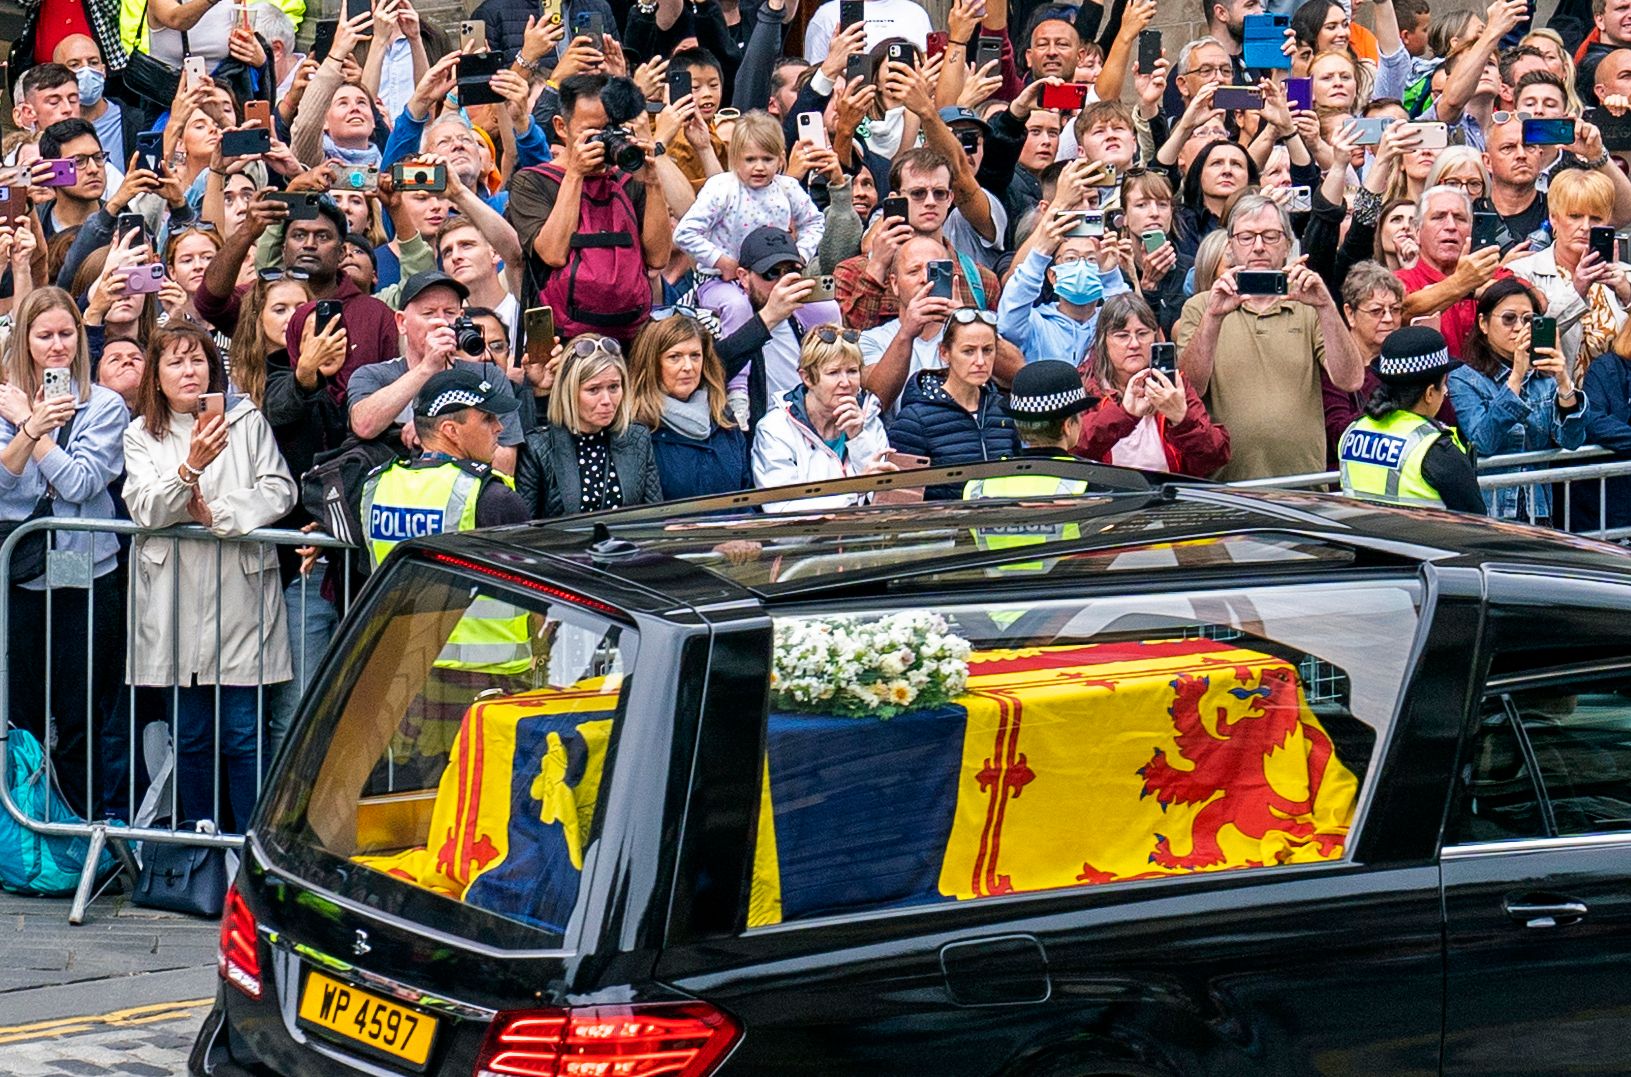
(1370, 447)
(393, 523)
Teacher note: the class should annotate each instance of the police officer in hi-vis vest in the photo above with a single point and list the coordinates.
(1397, 453)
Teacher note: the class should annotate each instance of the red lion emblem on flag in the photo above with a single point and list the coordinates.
(1228, 769)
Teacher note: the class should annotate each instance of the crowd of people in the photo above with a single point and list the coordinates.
(690, 248)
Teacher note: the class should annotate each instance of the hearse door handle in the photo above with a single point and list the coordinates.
(1541, 913)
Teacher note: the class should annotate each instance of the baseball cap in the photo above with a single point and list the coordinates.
(958, 114)
(430, 278)
(459, 388)
(767, 247)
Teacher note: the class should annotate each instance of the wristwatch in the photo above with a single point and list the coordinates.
(530, 65)
(658, 149)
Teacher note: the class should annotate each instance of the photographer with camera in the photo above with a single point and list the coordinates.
(436, 336)
(593, 224)
(1253, 347)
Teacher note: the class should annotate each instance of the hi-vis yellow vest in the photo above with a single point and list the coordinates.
(400, 502)
(1381, 459)
(134, 31)
(1022, 534)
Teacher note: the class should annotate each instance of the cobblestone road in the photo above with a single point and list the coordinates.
(146, 1041)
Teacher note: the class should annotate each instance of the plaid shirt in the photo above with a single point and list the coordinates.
(867, 305)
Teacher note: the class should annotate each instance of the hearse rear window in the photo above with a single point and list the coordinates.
(457, 756)
(960, 753)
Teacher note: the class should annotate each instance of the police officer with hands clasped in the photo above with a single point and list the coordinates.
(1397, 453)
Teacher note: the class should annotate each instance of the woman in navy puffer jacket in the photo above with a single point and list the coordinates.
(956, 416)
(677, 389)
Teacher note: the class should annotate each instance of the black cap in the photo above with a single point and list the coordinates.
(361, 243)
(1047, 389)
(460, 388)
(327, 207)
(430, 278)
(1414, 353)
(767, 247)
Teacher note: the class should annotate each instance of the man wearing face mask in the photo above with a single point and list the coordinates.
(115, 128)
(1062, 329)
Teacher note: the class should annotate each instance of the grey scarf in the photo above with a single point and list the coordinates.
(689, 418)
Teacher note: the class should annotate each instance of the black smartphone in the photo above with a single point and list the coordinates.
(679, 84)
(322, 41)
(150, 150)
(895, 206)
(902, 52)
(1548, 132)
(246, 143)
(1486, 230)
(1260, 282)
(418, 176)
(850, 12)
(540, 323)
(302, 206)
(327, 313)
(591, 25)
(940, 279)
(1542, 333)
(858, 66)
(129, 222)
(1602, 241)
(1616, 130)
(476, 71)
(989, 49)
(1164, 357)
(1149, 50)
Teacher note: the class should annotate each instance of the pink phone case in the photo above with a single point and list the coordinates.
(146, 278)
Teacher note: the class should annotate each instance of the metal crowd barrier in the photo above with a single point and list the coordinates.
(70, 569)
(1570, 468)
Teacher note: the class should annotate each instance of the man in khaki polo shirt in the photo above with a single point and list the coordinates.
(1255, 360)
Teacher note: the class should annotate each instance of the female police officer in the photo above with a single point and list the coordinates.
(1397, 453)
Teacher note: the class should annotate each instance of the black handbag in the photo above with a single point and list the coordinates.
(182, 878)
(150, 79)
(28, 559)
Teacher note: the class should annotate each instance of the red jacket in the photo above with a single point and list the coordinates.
(1195, 446)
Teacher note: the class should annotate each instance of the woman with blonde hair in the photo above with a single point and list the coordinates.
(1209, 260)
(1459, 166)
(827, 427)
(677, 386)
(61, 444)
(591, 456)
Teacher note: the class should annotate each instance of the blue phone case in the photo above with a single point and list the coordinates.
(1266, 54)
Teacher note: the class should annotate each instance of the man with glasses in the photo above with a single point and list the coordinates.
(115, 127)
(896, 350)
(864, 283)
(1256, 358)
(1447, 272)
(78, 202)
(381, 395)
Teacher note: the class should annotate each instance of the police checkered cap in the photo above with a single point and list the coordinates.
(453, 400)
(459, 388)
(1047, 389)
(1413, 353)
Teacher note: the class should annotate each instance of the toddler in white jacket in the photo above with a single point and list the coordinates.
(732, 204)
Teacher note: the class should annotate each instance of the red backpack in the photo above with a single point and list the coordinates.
(603, 287)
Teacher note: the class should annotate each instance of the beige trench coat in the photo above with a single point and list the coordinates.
(246, 487)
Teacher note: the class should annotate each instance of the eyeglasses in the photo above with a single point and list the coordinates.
(969, 315)
(832, 334)
(1269, 237)
(86, 160)
(499, 346)
(1391, 310)
(1507, 117)
(1208, 72)
(929, 194)
(1511, 319)
(1133, 336)
(1473, 187)
(584, 347)
(273, 274)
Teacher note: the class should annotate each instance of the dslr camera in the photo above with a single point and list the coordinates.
(622, 101)
(469, 337)
(621, 149)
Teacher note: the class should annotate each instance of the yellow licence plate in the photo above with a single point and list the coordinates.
(367, 1018)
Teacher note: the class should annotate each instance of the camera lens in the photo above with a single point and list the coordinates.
(468, 337)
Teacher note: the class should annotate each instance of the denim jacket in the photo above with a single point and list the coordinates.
(1497, 421)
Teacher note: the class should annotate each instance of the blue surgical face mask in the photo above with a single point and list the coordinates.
(1078, 282)
(91, 83)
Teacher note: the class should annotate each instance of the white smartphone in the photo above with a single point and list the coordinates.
(58, 381)
(813, 130)
(1434, 136)
(1301, 201)
(196, 67)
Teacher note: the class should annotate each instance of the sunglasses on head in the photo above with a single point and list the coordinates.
(832, 334)
(967, 315)
(584, 347)
(277, 273)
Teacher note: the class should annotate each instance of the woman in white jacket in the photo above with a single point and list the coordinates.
(208, 620)
(824, 429)
(1585, 293)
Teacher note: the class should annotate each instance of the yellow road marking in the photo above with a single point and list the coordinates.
(68, 1026)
